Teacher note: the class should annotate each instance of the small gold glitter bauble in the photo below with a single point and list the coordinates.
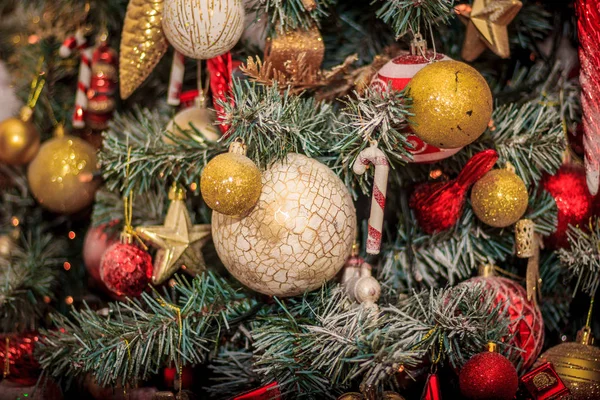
(188, 122)
(203, 29)
(60, 176)
(451, 103)
(500, 198)
(299, 234)
(578, 365)
(230, 184)
(19, 140)
(286, 47)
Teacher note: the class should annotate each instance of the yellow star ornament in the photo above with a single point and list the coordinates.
(179, 242)
(486, 22)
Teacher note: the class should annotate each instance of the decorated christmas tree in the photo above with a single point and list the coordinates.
(281, 199)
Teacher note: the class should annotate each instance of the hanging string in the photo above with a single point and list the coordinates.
(37, 85)
(128, 207)
(589, 315)
(172, 307)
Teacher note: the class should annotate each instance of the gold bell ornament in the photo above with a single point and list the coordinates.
(231, 183)
(61, 176)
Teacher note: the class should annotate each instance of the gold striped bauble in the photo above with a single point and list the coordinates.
(578, 365)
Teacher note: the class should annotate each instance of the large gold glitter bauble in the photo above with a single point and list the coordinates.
(578, 365)
(203, 29)
(19, 139)
(451, 103)
(500, 198)
(230, 184)
(143, 43)
(286, 47)
(194, 122)
(298, 235)
(60, 176)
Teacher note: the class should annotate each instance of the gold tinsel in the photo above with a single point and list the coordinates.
(143, 43)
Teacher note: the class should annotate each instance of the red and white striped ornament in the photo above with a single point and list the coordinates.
(103, 87)
(176, 79)
(72, 43)
(374, 155)
(397, 73)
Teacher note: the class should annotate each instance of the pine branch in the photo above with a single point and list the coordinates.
(583, 257)
(529, 136)
(139, 337)
(543, 211)
(288, 15)
(150, 208)
(555, 293)
(409, 15)
(28, 277)
(377, 115)
(151, 158)
(233, 374)
(448, 256)
(273, 124)
(325, 343)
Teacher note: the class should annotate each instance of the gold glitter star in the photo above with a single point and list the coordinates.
(179, 242)
(486, 22)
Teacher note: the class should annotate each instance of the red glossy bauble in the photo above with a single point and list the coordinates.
(527, 325)
(97, 240)
(171, 378)
(488, 376)
(397, 73)
(23, 367)
(569, 189)
(126, 269)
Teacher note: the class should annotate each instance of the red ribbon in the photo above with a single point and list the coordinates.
(220, 69)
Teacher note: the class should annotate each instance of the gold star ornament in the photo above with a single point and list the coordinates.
(178, 242)
(486, 22)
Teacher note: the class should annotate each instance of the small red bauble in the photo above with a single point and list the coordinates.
(397, 73)
(96, 242)
(527, 324)
(569, 189)
(488, 376)
(17, 349)
(126, 269)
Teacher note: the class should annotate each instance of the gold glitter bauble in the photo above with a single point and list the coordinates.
(500, 198)
(19, 141)
(188, 122)
(143, 43)
(60, 176)
(203, 29)
(451, 103)
(286, 47)
(230, 184)
(578, 365)
(299, 234)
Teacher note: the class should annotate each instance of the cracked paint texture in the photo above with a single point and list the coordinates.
(297, 237)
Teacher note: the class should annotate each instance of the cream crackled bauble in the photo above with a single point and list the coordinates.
(203, 29)
(298, 235)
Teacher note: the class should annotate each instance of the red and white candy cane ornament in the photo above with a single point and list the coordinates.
(72, 43)
(588, 29)
(373, 155)
(176, 79)
(397, 73)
